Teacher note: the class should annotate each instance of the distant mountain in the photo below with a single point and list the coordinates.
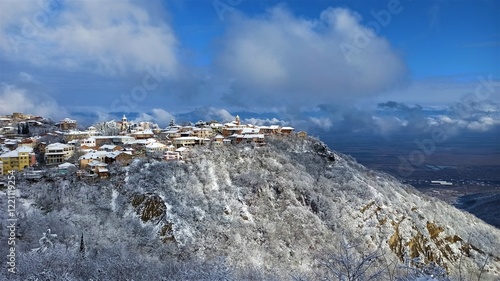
(292, 210)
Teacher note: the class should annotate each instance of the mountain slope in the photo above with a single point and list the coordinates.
(279, 209)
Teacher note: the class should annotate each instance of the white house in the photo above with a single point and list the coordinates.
(57, 153)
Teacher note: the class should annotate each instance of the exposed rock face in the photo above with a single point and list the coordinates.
(279, 206)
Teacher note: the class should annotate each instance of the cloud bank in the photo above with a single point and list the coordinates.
(112, 39)
(281, 59)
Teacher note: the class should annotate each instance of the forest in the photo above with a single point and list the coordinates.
(290, 210)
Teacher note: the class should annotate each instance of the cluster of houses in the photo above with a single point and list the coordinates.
(88, 153)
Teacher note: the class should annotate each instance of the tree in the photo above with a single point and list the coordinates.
(26, 129)
(82, 247)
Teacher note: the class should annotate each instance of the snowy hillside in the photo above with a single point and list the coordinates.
(292, 210)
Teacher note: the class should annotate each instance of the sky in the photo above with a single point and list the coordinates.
(356, 66)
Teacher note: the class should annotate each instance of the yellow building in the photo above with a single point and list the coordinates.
(16, 160)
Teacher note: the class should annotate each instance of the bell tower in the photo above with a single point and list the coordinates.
(124, 126)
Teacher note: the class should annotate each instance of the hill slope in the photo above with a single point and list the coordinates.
(280, 211)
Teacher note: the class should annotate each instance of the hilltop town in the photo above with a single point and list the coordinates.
(35, 146)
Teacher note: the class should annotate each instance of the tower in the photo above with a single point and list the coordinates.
(124, 125)
(237, 120)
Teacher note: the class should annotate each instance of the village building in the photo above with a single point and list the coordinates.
(171, 156)
(110, 147)
(145, 134)
(67, 124)
(98, 169)
(87, 143)
(66, 168)
(85, 159)
(17, 160)
(122, 157)
(155, 147)
(74, 135)
(57, 153)
(203, 133)
(286, 130)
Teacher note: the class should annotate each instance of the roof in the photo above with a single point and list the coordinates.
(250, 131)
(57, 145)
(108, 146)
(156, 145)
(93, 155)
(114, 154)
(66, 165)
(10, 154)
(181, 149)
(24, 149)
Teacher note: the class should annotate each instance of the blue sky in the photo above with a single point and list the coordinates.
(312, 63)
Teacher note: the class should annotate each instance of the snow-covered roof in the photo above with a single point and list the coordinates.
(65, 165)
(9, 154)
(250, 131)
(287, 128)
(23, 149)
(107, 146)
(116, 153)
(271, 127)
(57, 145)
(187, 138)
(251, 136)
(155, 145)
(93, 155)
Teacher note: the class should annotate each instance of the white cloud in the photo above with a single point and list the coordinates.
(19, 100)
(279, 59)
(112, 38)
(267, 121)
(159, 116)
(324, 123)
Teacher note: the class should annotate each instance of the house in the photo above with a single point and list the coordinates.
(57, 153)
(67, 124)
(85, 159)
(121, 157)
(171, 156)
(98, 168)
(189, 141)
(155, 147)
(5, 121)
(254, 138)
(269, 130)
(203, 133)
(66, 168)
(18, 159)
(146, 134)
(218, 140)
(302, 134)
(286, 130)
(87, 143)
(231, 130)
(172, 134)
(74, 135)
(110, 147)
(20, 116)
